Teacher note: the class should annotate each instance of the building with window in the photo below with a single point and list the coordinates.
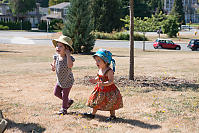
(5, 13)
(190, 9)
(57, 11)
(33, 16)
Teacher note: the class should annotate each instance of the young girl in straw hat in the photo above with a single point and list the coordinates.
(62, 64)
(106, 96)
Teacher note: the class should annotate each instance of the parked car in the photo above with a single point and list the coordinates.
(184, 27)
(166, 43)
(193, 44)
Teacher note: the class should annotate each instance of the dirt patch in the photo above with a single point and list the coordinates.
(144, 81)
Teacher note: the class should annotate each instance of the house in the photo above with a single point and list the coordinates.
(5, 13)
(32, 16)
(190, 9)
(57, 11)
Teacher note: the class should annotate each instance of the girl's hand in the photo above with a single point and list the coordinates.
(68, 53)
(92, 81)
(52, 67)
(100, 84)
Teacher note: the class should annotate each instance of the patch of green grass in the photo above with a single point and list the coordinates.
(80, 104)
(129, 91)
(158, 115)
(90, 129)
(74, 124)
(175, 130)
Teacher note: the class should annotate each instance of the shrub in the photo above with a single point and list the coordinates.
(170, 26)
(4, 27)
(42, 25)
(26, 25)
(118, 36)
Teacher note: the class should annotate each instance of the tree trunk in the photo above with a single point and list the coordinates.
(131, 69)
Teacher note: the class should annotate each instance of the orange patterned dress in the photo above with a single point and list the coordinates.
(106, 98)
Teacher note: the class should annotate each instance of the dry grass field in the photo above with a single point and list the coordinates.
(163, 98)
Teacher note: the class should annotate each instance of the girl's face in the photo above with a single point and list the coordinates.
(100, 63)
(60, 48)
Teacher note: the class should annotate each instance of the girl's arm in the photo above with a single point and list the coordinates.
(53, 65)
(94, 80)
(110, 75)
(69, 60)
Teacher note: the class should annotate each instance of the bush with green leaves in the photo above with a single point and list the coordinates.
(147, 24)
(42, 25)
(25, 25)
(55, 24)
(170, 26)
(119, 36)
(4, 27)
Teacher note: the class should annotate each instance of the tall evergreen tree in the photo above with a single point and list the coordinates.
(79, 27)
(106, 15)
(178, 11)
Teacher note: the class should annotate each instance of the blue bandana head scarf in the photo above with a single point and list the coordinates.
(106, 56)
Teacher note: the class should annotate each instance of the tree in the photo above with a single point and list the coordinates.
(159, 8)
(18, 11)
(170, 26)
(178, 11)
(79, 27)
(131, 69)
(141, 9)
(43, 3)
(55, 2)
(106, 15)
(143, 26)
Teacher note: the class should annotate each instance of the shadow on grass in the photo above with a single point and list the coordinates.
(4, 51)
(129, 121)
(122, 120)
(25, 127)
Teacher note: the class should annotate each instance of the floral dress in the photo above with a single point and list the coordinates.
(106, 98)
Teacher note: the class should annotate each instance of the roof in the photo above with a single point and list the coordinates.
(51, 16)
(162, 39)
(61, 5)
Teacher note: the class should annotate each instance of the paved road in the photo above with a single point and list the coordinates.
(13, 37)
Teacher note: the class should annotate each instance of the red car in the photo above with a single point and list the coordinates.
(166, 43)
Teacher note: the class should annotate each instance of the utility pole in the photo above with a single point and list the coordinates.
(131, 69)
(21, 25)
(47, 25)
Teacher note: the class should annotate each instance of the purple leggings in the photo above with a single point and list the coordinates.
(62, 93)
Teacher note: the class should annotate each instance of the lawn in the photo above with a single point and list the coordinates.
(163, 97)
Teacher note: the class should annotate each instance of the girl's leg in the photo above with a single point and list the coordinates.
(91, 115)
(94, 111)
(58, 91)
(112, 116)
(65, 97)
(112, 112)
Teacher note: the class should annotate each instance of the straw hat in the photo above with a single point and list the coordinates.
(65, 40)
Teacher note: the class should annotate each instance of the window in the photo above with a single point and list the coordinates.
(65, 11)
(1, 12)
(55, 11)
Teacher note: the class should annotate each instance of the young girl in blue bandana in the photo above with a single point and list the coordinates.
(106, 96)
